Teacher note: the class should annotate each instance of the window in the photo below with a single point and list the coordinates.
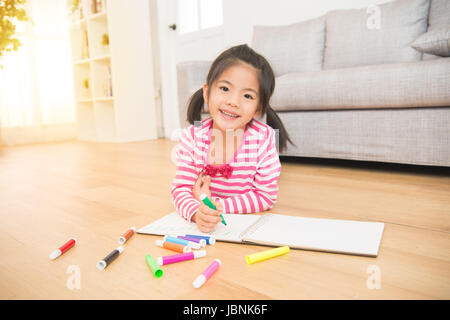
(196, 15)
(36, 82)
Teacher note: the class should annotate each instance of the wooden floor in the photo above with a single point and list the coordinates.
(95, 192)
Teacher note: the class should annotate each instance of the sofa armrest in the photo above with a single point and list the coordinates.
(191, 75)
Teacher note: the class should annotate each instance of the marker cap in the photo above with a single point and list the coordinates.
(199, 254)
(199, 281)
(55, 254)
(101, 265)
(194, 245)
(156, 270)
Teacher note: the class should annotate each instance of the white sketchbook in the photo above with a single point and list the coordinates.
(339, 236)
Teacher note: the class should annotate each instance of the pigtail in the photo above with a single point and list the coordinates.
(275, 122)
(195, 107)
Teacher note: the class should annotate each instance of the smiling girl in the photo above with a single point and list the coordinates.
(231, 156)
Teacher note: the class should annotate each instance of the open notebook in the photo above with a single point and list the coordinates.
(340, 236)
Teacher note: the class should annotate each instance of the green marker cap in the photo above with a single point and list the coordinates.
(209, 203)
(157, 271)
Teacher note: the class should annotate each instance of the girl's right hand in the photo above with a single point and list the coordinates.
(201, 186)
(207, 218)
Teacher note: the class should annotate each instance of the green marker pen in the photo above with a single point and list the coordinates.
(209, 203)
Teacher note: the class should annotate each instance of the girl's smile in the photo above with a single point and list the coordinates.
(233, 99)
(230, 115)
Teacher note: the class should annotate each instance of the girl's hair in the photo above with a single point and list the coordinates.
(229, 58)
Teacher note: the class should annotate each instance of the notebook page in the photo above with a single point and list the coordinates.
(342, 236)
(173, 224)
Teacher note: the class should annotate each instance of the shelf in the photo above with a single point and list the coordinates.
(101, 78)
(105, 57)
(104, 99)
(110, 109)
(93, 17)
(83, 61)
(105, 121)
(86, 122)
(78, 24)
(85, 101)
(97, 16)
(97, 29)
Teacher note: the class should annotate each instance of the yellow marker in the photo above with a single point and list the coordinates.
(263, 255)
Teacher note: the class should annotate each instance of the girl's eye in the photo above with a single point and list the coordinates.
(248, 96)
(223, 89)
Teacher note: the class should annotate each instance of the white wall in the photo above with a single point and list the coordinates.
(240, 16)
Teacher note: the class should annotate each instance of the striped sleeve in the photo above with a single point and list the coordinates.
(186, 175)
(263, 195)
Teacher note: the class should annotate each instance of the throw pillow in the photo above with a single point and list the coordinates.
(381, 35)
(292, 48)
(434, 42)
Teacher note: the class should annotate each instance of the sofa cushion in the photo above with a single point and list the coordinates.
(293, 48)
(439, 19)
(352, 41)
(400, 85)
(191, 75)
(434, 42)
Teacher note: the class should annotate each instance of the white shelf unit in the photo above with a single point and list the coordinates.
(113, 83)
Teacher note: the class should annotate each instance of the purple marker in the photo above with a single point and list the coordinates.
(209, 239)
(181, 257)
(202, 242)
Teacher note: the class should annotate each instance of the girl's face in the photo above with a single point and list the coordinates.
(233, 99)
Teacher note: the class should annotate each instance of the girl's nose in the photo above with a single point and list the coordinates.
(233, 101)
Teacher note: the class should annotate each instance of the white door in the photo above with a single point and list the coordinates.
(188, 30)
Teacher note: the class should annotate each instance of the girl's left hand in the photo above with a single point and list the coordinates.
(201, 186)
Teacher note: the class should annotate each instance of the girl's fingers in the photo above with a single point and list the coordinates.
(219, 206)
(210, 219)
(203, 225)
(199, 180)
(206, 182)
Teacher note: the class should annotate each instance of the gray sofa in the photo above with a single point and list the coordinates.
(364, 84)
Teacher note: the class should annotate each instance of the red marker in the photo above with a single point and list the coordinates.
(127, 235)
(66, 246)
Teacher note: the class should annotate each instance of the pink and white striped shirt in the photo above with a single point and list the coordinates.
(253, 184)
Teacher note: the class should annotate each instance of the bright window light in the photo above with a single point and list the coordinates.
(36, 82)
(188, 15)
(196, 15)
(211, 13)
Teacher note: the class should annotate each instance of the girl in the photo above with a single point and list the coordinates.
(230, 156)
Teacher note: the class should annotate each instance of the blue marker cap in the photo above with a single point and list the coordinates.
(209, 239)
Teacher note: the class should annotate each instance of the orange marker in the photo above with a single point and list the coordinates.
(124, 238)
(173, 246)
